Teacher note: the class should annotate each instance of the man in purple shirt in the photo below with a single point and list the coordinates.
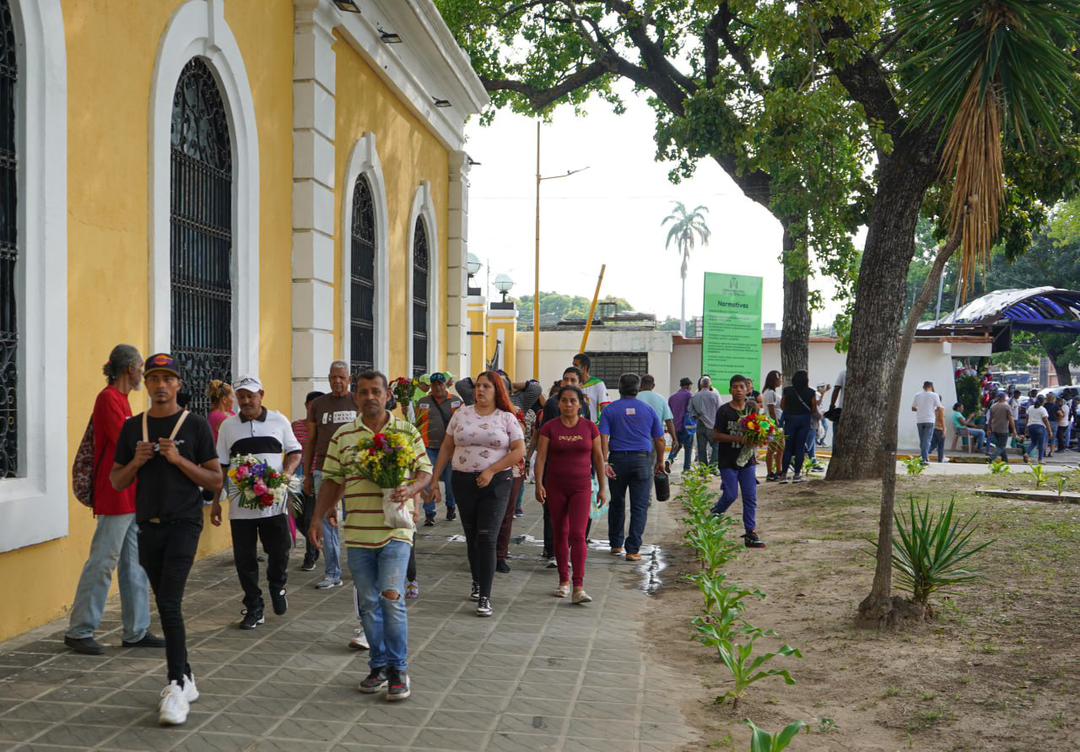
(679, 404)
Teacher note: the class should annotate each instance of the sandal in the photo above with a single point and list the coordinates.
(562, 591)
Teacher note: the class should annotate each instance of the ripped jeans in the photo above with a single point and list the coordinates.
(376, 571)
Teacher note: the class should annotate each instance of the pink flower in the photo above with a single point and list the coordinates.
(242, 472)
(260, 488)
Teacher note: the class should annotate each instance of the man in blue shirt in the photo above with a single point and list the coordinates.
(630, 431)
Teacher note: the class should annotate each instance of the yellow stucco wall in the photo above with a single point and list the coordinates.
(508, 328)
(410, 154)
(477, 342)
(111, 50)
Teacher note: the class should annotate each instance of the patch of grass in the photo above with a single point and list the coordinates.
(927, 719)
(891, 692)
(927, 696)
(826, 725)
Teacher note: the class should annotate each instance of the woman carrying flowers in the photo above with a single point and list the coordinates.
(739, 430)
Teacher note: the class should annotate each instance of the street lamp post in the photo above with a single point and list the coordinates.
(536, 286)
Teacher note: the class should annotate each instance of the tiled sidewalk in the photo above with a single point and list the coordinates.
(540, 675)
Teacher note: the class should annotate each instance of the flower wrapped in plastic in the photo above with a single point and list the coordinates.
(387, 460)
(759, 430)
(255, 484)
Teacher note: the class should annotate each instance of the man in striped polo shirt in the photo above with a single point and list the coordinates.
(378, 555)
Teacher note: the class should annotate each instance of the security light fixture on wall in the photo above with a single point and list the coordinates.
(389, 37)
(348, 6)
(441, 102)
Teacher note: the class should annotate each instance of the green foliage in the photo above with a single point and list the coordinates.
(914, 466)
(1038, 472)
(1062, 481)
(999, 467)
(930, 549)
(555, 307)
(1064, 228)
(762, 741)
(968, 392)
(747, 668)
(688, 228)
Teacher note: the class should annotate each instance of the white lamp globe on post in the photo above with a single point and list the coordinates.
(504, 284)
(472, 267)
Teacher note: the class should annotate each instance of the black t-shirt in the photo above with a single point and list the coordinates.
(795, 399)
(1053, 412)
(727, 421)
(164, 491)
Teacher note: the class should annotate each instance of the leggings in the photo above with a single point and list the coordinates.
(502, 549)
(482, 511)
(568, 505)
(166, 552)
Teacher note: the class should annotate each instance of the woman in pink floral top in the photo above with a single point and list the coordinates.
(483, 442)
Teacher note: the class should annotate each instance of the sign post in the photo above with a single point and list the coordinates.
(731, 338)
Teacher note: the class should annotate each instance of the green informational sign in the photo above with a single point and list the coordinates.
(731, 340)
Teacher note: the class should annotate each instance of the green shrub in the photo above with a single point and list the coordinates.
(999, 467)
(762, 741)
(967, 393)
(914, 466)
(1038, 472)
(930, 549)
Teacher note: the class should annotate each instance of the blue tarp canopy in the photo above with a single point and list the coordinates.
(1036, 309)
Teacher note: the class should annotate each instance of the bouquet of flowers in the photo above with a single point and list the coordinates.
(402, 389)
(387, 460)
(255, 484)
(759, 430)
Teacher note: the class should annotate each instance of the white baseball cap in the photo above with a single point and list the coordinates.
(250, 383)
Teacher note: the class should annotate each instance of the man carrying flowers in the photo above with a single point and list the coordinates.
(381, 464)
(258, 453)
(739, 430)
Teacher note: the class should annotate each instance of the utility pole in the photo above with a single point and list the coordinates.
(536, 285)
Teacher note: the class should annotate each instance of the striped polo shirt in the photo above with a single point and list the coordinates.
(364, 522)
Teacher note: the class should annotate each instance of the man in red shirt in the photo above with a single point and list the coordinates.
(116, 540)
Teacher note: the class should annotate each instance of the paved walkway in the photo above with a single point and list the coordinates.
(540, 675)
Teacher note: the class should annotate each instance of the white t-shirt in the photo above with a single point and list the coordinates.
(1063, 415)
(269, 439)
(596, 393)
(769, 397)
(925, 404)
(841, 387)
(1036, 416)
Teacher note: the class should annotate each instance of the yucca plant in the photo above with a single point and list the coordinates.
(1038, 472)
(763, 741)
(931, 548)
(914, 466)
(999, 467)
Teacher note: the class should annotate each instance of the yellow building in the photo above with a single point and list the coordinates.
(259, 186)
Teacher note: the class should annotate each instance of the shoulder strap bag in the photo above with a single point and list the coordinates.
(175, 430)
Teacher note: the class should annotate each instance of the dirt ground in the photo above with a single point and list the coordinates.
(998, 668)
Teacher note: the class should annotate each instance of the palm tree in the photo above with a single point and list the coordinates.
(990, 69)
(686, 230)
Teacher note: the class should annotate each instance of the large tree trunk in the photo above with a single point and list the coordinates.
(1061, 368)
(880, 608)
(862, 438)
(795, 336)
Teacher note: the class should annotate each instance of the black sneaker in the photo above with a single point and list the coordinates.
(753, 541)
(451, 514)
(399, 685)
(281, 603)
(483, 606)
(309, 561)
(474, 594)
(85, 645)
(429, 522)
(252, 619)
(502, 566)
(373, 682)
(148, 641)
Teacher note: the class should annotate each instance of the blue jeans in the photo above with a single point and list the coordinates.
(795, 429)
(1001, 442)
(448, 487)
(938, 442)
(731, 480)
(115, 546)
(686, 445)
(706, 447)
(926, 435)
(386, 622)
(1037, 433)
(633, 473)
(978, 439)
(331, 538)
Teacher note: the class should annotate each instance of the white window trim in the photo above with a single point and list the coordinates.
(364, 162)
(34, 506)
(198, 29)
(424, 206)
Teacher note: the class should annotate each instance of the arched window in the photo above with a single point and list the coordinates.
(420, 299)
(200, 244)
(10, 283)
(362, 279)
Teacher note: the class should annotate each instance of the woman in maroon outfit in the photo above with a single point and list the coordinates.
(569, 453)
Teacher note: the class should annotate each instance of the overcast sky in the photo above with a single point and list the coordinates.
(611, 213)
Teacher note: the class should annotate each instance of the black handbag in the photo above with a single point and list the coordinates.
(662, 485)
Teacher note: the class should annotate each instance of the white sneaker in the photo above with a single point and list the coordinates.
(173, 708)
(326, 583)
(359, 640)
(191, 692)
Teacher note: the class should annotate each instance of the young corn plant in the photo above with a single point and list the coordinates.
(1062, 481)
(914, 466)
(747, 668)
(931, 549)
(763, 741)
(999, 467)
(1038, 472)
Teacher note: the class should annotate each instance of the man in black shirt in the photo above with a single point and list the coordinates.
(736, 459)
(171, 453)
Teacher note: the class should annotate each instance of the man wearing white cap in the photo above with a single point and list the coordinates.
(266, 435)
